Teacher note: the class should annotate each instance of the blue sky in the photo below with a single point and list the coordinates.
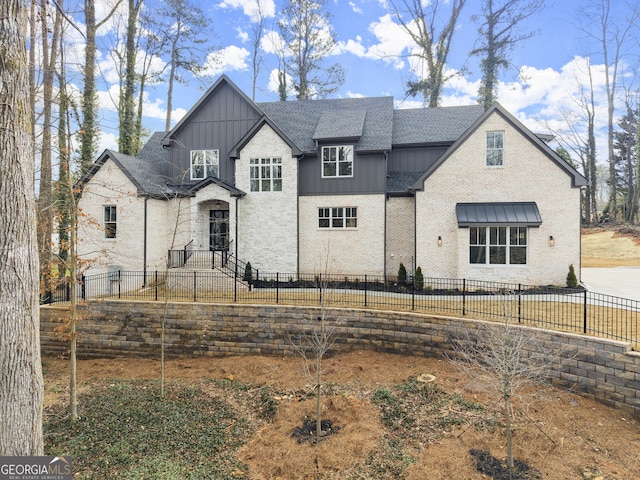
(541, 89)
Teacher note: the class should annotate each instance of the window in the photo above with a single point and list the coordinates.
(498, 245)
(265, 174)
(204, 163)
(338, 217)
(337, 161)
(495, 149)
(110, 220)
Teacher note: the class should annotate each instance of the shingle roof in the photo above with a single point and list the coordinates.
(433, 125)
(400, 182)
(300, 119)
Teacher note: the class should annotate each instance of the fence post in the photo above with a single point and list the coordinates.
(119, 282)
(195, 281)
(464, 297)
(413, 294)
(235, 285)
(365, 290)
(277, 286)
(320, 287)
(83, 287)
(156, 282)
(519, 302)
(584, 314)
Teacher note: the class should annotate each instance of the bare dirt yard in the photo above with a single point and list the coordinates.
(380, 432)
(611, 247)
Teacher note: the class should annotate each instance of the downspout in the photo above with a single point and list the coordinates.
(386, 198)
(298, 215)
(236, 233)
(144, 244)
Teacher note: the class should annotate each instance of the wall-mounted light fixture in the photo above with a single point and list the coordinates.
(552, 241)
(439, 241)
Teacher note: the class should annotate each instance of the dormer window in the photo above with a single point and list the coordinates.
(337, 161)
(204, 163)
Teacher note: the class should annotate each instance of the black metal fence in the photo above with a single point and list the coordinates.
(570, 310)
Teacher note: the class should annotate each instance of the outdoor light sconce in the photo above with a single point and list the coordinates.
(552, 241)
(439, 241)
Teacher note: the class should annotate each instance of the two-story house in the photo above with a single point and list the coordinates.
(349, 186)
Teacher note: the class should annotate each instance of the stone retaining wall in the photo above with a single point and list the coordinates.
(605, 370)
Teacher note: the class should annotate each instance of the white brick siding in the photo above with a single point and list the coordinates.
(110, 186)
(400, 234)
(348, 251)
(268, 226)
(527, 175)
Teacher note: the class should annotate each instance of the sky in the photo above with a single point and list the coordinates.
(542, 88)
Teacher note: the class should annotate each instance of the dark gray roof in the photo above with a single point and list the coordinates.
(433, 125)
(148, 176)
(340, 124)
(299, 120)
(503, 213)
(400, 182)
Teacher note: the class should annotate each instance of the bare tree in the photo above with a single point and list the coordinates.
(309, 39)
(582, 145)
(187, 32)
(21, 384)
(612, 33)
(421, 21)
(502, 358)
(89, 130)
(314, 338)
(45, 194)
(257, 32)
(499, 32)
(128, 143)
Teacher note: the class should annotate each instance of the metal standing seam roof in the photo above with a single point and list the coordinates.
(498, 213)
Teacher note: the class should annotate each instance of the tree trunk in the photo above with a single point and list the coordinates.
(127, 142)
(21, 385)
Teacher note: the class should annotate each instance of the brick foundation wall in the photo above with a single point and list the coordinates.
(605, 370)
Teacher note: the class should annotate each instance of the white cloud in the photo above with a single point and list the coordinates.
(228, 59)
(250, 7)
(391, 46)
(355, 8)
(242, 35)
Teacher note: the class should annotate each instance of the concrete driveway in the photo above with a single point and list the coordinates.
(620, 281)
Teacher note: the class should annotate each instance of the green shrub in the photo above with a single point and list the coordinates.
(402, 274)
(572, 280)
(248, 273)
(418, 281)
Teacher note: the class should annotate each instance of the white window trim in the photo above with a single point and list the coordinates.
(269, 163)
(487, 247)
(338, 213)
(114, 222)
(337, 162)
(215, 163)
(488, 149)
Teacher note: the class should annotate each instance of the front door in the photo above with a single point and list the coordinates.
(218, 230)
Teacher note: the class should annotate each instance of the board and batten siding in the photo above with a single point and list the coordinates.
(218, 124)
(369, 176)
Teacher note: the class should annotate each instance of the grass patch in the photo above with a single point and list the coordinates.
(128, 430)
